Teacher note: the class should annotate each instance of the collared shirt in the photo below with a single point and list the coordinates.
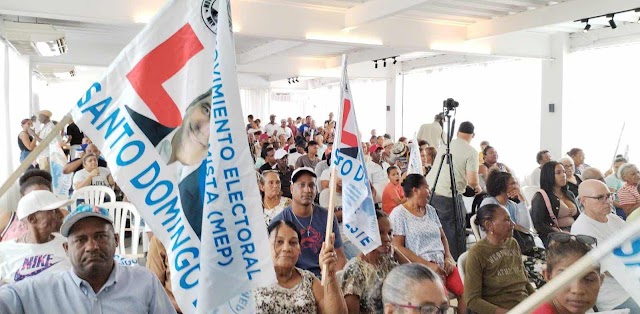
(128, 289)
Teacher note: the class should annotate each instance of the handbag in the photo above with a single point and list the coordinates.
(525, 241)
(551, 214)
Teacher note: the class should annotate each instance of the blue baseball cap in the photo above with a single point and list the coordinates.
(81, 212)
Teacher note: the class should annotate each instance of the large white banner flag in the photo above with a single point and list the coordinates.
(624, 265)
(415, 164)
(358, 212)
(150, 116)
(236, 256)
(57, 160)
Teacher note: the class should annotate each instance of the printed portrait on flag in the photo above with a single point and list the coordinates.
(183, 149)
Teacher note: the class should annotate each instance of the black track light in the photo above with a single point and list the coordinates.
(385, 63)
(376, 63)
(394, 60)
(612, 23)
(289, 80)
(297, 80)
(587, 28)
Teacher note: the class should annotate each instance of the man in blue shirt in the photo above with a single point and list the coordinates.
(95, 284)
(311, 219)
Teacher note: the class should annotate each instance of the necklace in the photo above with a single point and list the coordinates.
(301, 225)
(266, 205)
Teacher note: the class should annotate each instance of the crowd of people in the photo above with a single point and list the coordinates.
(424, 263)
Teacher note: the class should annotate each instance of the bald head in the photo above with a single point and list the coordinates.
(594, 196)
(592, 173)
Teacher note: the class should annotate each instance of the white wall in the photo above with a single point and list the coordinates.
(501, 99)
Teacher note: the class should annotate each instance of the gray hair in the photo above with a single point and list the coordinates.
(568, 159)
(592, 173)
(625, 169)
(402, 279)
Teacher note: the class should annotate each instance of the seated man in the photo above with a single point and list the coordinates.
(76, 164)
(39, 250)
(95, 284)
(312, 221)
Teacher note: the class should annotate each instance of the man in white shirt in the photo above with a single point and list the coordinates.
(283, 129)
(432, 132)
(44, 117)
(600, 223)
(40, 250)
(293, 157)
(377, 173)
(542, 157)
(272, 127)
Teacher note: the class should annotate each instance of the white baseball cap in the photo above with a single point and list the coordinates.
(280, 153)
(40, 200)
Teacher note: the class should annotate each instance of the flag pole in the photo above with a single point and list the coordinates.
(33, 155)
(579, 268)
(329, 230)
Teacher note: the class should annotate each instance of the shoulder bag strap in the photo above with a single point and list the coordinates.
(548, 203)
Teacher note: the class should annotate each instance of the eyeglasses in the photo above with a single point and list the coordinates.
(562, 237)
(425, 309)
(604, 197)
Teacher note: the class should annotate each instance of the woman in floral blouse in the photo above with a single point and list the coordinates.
(362, 272)
(298, 290)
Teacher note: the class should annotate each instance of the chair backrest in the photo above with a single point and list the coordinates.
(475, 228)
(462, 259)
(116, 211)
(93, 195)
(130, 212)
(529, 191)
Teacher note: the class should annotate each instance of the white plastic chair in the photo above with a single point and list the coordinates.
(462, 259)
(474, 227)
(130, 212)
(116, 209)
(93, 195)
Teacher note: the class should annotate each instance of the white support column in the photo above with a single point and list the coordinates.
(552, 96)
(394, 106)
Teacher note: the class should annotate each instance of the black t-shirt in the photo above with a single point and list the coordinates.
(76, 135)
(264, 167)
(101, 163)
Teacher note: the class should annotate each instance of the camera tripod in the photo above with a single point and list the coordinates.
(449, 106)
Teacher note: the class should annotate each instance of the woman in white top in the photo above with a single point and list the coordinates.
(91, 174)
(272, 200)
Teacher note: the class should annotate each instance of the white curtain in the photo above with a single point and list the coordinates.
(600, 95)
(502, 100)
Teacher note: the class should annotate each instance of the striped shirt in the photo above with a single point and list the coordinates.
(628, 194)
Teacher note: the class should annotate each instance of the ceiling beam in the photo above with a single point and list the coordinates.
(559, 13)
(375, 10)
(604, 37)
(444, 60)
(266, 50)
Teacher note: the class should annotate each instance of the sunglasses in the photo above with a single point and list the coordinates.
(425, 309)
(562, 237)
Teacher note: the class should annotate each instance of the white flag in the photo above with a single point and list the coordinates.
(150, 117)
(415, 163)
(237, 257)
(61, 182)
(358, 212)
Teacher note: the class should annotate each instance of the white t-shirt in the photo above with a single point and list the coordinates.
(270, 128)
(44, 132)
(23, 260)
(286, 131)
(100, 179)
(421, 234)
(534, 178)
(378, 177)
(611, 292)
(293, 157)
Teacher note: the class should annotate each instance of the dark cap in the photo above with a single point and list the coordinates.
(466, 127)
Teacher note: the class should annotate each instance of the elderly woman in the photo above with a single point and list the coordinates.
(503, 190)
(495, 279)
(365, 270)
(553, 207)
(412, 288)
(612, 179)
(298, 290)
(580, 295)
(419, 236)
(628, 196)
(272, 200)
(91, 174)
(573, 180)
